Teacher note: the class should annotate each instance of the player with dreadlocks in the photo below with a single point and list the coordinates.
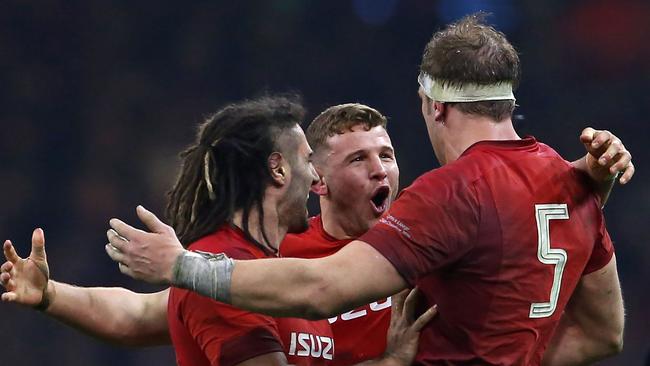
(245, 179)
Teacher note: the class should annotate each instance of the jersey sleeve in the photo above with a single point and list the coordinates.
(431, 225)
(227, 335)
(603, 250)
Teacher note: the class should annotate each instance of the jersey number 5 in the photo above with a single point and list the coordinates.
(547, 255)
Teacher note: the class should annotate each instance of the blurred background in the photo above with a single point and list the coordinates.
(98, 98)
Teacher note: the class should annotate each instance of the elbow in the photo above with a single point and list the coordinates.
(614, 343)
(615, 338)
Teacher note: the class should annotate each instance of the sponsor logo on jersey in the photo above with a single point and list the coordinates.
(396, 224)
(310, 345)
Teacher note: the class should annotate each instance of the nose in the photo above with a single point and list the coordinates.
(314, 174)
(377, 169)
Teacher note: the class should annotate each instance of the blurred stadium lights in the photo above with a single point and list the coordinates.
(375, 12)
(504, 13)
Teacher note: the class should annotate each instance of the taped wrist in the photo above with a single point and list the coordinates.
(208, 274)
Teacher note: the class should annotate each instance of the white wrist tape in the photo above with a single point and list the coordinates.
(208, 274)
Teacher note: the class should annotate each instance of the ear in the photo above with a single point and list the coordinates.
(439, 111)
(320, 187)
(278, 168)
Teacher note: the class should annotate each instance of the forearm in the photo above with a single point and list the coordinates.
(278, 287)
(290, 287)
(114, 315)
(307, 288)
(570, 345)
(591, 327)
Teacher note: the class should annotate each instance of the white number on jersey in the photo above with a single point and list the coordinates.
(358, 313)
(547, 255)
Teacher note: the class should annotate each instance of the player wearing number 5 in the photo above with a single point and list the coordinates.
(506, 237)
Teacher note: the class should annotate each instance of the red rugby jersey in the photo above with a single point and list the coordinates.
(498, 239)
(207, 332)
(360, 334)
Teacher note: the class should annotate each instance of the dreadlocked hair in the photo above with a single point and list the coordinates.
(226, 169)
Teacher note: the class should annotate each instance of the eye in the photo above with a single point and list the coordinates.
(358, 158)
(387, 156)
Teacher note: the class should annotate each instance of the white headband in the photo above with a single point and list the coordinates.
(465, 93)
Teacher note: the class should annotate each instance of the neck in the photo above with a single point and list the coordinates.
(339, 225)
(275, 232)
(465, 130)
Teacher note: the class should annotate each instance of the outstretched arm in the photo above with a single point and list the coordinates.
(308, 288)
(591, 327)
(115, 315)
(606, 158)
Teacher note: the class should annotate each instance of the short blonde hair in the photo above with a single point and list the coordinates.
(342, 118)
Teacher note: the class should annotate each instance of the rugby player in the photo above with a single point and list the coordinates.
(506, 237)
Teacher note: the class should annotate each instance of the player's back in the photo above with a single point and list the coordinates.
(498, 239)
(537, 225)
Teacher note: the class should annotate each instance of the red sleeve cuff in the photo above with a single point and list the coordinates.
(381, 240)
(257, 342)
(603, 259)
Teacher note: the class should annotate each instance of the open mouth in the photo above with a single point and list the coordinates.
(379, 199)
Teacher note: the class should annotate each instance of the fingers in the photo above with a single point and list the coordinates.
(118, 242)
(7, 267)
(9, 297)
(5, 276)
(411, 302)
(425, 318)
(38, 245)
(397, 301)
(600, 138)
(587, 135)
(124, 230)
(4, 279)
(8, 282)
(621, 162)
(627, 175)
(126, 270)
(115, 254)
(615, 147)
(152, 222)
(10, 252)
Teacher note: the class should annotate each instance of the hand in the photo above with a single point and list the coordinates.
(142, 255)
(404, 331)
(25, 279)
(606, 156)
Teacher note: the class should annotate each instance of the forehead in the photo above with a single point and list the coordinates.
(359, 139)
(297, 136)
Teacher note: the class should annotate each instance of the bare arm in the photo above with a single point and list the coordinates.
(115, 315)
(308, 288)
(591, 327)
(315, 288)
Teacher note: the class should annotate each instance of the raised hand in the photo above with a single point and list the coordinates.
(606, 156)
(26, 279)
(404, 331)
(147, 256)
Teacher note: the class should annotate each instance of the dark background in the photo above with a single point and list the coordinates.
(97, 98)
